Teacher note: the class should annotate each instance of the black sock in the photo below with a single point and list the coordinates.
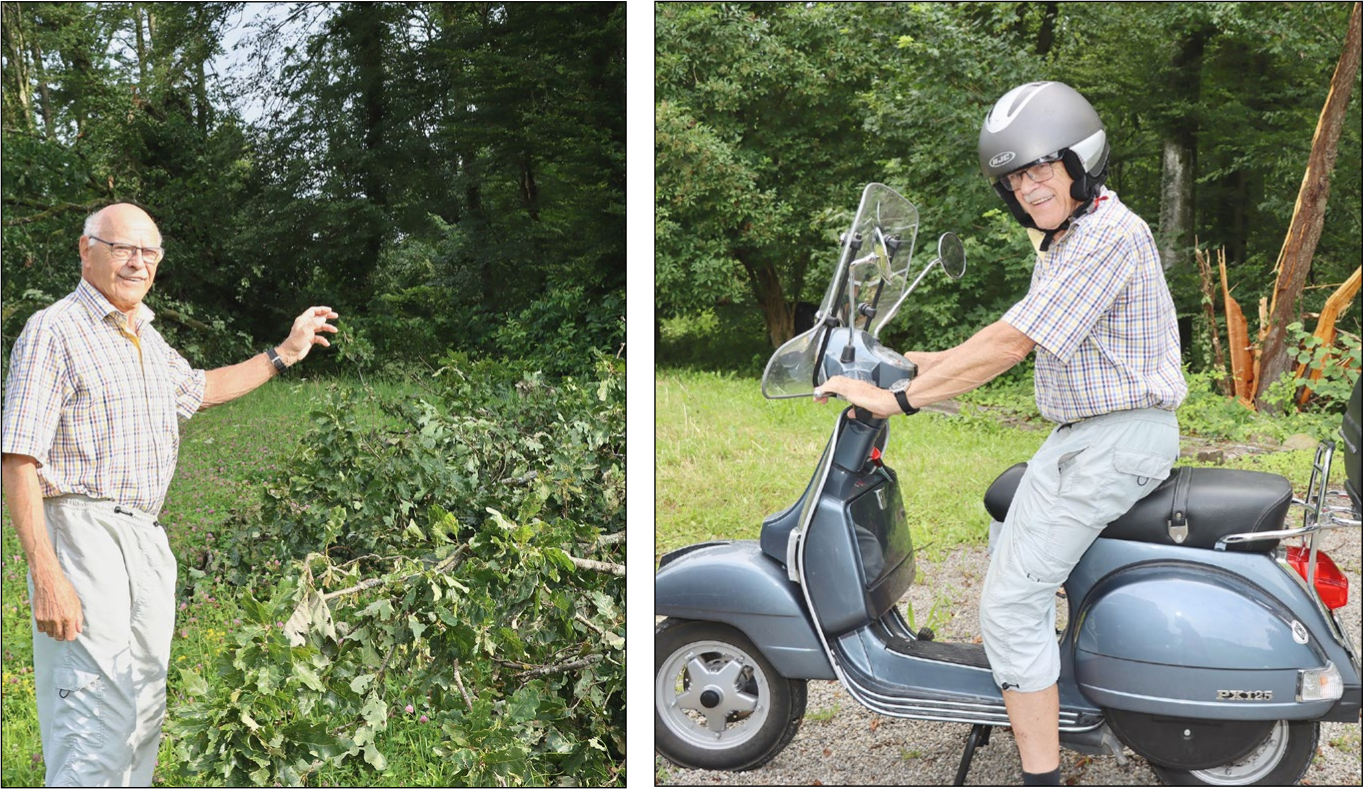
(1051, 778)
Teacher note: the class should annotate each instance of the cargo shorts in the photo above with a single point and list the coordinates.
(102, 697)
(1083, 477)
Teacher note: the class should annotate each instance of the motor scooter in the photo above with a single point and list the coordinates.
(1196, 636)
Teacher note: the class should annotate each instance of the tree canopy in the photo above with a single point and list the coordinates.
(442, 174)
(772, 117)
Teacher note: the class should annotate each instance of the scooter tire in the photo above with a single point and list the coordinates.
(684, 742)
(1284, 764)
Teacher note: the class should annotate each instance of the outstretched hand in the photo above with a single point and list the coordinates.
(307, 332)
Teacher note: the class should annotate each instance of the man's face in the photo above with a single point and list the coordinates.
(124, 283)
(1048, 203)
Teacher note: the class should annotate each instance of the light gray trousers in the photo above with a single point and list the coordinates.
(1083, 477)
(102, 697)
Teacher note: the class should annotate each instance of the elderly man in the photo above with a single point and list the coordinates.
(1101, 319)
(91, 435)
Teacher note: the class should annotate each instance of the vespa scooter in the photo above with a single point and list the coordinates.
(1195, 637)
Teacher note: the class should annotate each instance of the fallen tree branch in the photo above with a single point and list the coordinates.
(444, 565)
(570, 666)
(459, 683)
(600, 567)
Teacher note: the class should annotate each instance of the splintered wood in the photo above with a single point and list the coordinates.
(1237, 338)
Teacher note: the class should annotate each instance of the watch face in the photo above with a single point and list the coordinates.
(900, 386)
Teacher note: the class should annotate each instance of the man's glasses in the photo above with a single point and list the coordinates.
(121, 253)
(1039, 171)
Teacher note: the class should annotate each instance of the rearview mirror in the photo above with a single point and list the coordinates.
(951, 254)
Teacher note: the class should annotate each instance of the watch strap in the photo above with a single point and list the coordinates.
(275, 360)
(902, 398)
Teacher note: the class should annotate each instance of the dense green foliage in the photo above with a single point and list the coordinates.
(437, 173)
(772, 117)
(437, 557)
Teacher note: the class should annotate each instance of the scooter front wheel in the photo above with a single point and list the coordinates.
(717, 703)
(1280, 759)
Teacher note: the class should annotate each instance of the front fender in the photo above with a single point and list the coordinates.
(738, 585)
(1189, 640)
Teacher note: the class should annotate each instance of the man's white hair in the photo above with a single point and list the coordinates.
(92, 223)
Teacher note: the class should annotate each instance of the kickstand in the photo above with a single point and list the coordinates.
(979, 736)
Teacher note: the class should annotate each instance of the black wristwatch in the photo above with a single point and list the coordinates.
(275, 360)
(900, 389)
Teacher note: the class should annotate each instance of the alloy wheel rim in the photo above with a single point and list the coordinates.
(1254, 765)
(712, 695)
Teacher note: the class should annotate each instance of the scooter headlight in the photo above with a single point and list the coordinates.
(1319, 684)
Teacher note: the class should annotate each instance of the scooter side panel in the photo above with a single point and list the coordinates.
(737, 584)
(1165, 629)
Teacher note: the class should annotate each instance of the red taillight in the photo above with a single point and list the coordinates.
(1331, 584)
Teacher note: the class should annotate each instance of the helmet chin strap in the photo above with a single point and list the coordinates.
(1083, 208)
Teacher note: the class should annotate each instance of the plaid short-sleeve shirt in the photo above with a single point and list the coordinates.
(96, 406)
(1104, 323)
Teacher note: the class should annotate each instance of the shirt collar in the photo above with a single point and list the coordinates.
(101, 308)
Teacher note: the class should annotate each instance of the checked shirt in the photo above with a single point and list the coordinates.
(1101, 315)
(98, 407)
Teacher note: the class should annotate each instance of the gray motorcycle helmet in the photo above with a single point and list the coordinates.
(1034, 121)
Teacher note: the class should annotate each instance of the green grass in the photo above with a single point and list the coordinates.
(726, 458)
(224, 453)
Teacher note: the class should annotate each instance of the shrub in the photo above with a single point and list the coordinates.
(442, 552)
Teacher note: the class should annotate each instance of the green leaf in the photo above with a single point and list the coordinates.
(524, 705)
(309, 676)
(192, 684)
(360, 683)
(374, 757)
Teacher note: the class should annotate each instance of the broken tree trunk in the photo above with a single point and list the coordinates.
(1308, 217)
(1237, 338)
(1325, 326)
(1204, 269)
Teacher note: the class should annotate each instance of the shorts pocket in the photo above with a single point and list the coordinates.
(78, 710)
(1144, 466)
(72, 680)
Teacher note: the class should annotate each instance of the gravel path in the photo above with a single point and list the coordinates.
(842, 743)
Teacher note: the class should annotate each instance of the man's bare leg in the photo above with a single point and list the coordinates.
(1036, 727)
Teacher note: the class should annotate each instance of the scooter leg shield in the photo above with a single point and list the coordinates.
(734, 582)
(1194, 641)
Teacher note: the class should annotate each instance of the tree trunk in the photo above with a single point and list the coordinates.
(1176, 201)
(1178, 162)
(16, 73)
(141, 46)
(776, 313)
(1308, 217)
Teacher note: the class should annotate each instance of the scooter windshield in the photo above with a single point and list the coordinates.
(865, 292)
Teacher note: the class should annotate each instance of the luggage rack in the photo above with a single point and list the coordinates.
(1316, 515)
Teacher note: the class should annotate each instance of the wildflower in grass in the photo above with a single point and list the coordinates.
(410, 709)
(423, 719)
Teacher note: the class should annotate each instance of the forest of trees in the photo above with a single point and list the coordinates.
(771, 118)
(444, 175)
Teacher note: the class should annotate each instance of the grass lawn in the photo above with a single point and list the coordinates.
(224, 452)
(726, 458)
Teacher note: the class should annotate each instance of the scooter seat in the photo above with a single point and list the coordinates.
(1217, 502)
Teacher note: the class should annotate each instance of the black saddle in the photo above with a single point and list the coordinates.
(1201, 504)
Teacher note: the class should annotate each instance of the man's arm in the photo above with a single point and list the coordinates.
(56, 606)
(228, 383)
(992, 351)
